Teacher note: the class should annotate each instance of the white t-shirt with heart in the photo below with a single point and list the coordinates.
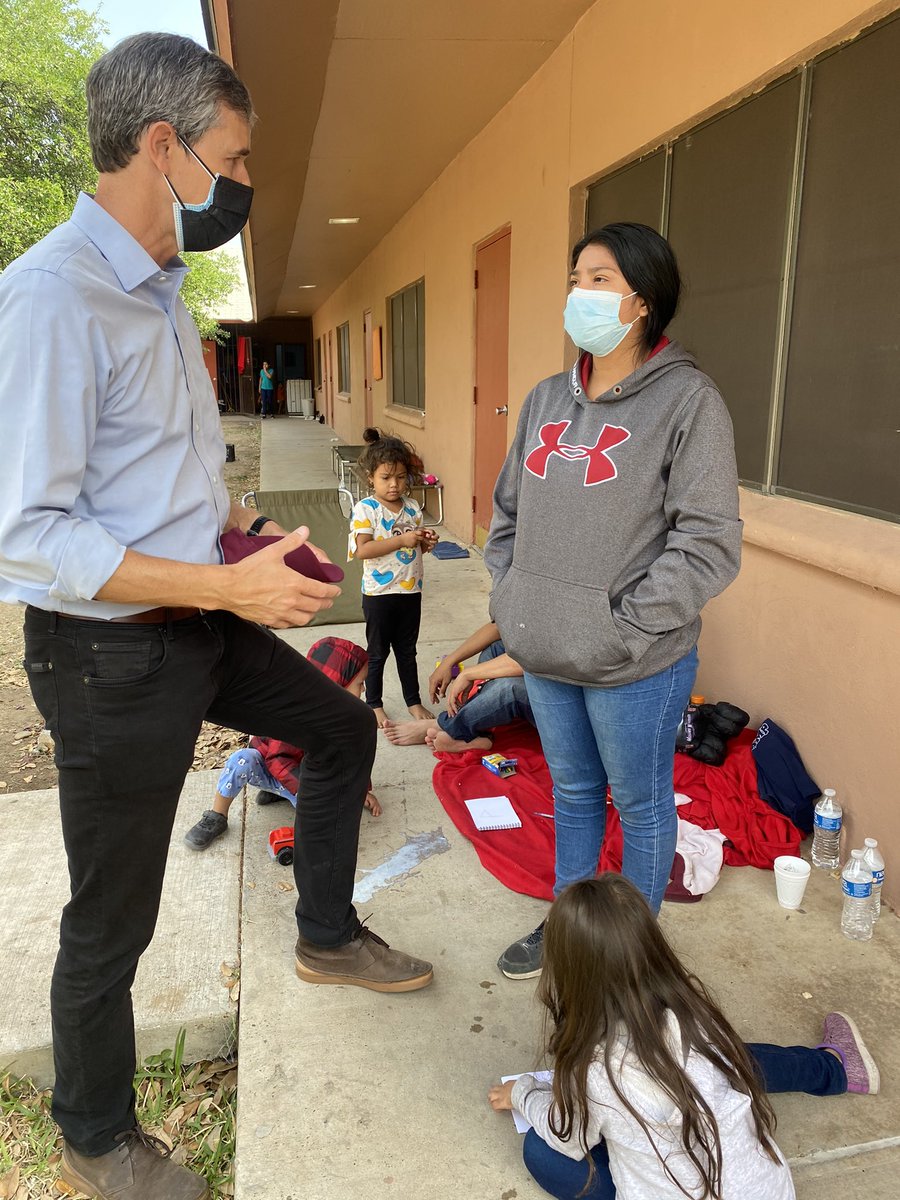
(398, 572)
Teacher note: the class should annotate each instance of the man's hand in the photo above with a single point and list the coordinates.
(263, 589)
(319, 553)
(500, 1096)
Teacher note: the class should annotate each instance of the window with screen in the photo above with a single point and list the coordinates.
(407, 315)
(839, 435)
(343, 340)
(783, 215)
(730, 190)
(633, 194)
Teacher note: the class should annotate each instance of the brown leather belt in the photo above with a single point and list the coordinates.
(153, 616)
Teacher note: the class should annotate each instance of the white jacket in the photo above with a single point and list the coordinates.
(636, 1170)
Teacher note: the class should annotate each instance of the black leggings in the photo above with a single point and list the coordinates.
(392, 623)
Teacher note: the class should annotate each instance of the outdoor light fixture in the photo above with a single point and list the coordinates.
(303, 286)
(343, 220)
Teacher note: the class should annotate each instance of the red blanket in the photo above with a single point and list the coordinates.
(721, 797)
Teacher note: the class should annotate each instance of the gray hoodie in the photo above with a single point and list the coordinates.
(615, 521)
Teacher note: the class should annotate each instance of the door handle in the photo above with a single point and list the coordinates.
(502, 410)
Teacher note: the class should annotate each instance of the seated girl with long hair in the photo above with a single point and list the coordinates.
(653, 1094)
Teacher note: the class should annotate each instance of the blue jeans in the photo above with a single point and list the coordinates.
(245, 768)
(266, 398)
(622, 737)
(782, 1068)
(500, 702)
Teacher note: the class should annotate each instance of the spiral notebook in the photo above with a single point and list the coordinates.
(493, 812)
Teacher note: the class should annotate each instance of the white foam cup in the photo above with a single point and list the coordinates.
(791, 874)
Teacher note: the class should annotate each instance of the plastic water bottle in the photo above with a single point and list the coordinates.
(873, 860)
(856, 883)
(826, 847)
(686, 734)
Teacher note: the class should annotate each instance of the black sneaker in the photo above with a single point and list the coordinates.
(210, 826)
(522, 960)
(264, 797)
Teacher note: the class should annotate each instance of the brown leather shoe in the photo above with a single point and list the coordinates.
(366, 961)
(138, 1169)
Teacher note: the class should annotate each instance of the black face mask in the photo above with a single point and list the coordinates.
(221, 216)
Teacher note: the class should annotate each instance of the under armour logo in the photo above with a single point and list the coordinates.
(599, 467)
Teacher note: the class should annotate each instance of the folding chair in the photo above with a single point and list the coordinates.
(344, 457)
(321, 509)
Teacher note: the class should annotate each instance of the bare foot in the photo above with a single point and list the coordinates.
(443, 741)
(407, 733)
(381, 716)
(420, 713)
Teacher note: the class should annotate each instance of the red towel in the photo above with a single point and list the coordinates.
(721, 797)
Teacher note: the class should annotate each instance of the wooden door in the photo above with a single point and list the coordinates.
(491, 374)
(367, 359)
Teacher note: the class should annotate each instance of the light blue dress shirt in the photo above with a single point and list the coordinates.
(111, 438)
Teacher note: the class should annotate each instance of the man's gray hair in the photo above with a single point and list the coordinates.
(157, 77)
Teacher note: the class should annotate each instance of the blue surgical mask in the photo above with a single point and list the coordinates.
(221, 216)
(592, 320)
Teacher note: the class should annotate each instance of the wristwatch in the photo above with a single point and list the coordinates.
(257, 527)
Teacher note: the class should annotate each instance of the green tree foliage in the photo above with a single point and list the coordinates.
(47, 48)
(212, 278)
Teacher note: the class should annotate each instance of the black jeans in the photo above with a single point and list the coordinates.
(392, 623)
(124, 704)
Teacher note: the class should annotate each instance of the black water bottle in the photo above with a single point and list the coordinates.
(686, 734)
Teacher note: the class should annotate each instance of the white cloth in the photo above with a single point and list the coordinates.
(701, 850)
(747, 1171)
(400, 571)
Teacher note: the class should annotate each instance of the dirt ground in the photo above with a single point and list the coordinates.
(26, 760)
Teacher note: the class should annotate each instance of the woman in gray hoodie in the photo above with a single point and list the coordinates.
(615, 521)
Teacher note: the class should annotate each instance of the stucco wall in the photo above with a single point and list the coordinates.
(814, 643)
(500, 178)
(809, 634)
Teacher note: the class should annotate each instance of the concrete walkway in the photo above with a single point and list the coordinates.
(344, 1093)
(179, 982)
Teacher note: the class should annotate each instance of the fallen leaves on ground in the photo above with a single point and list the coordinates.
(191, 1109)
(214, 745)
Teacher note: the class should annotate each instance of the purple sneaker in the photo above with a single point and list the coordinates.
(840, 1033)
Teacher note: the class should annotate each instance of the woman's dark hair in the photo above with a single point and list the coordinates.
(648, 264)
(610, 974)
(382, 448)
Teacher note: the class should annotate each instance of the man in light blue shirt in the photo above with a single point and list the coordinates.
(112, 504)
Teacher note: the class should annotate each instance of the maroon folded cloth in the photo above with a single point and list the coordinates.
(237, 545)
(676, 892)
